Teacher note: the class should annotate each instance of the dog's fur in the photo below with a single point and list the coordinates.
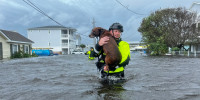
(113, 55)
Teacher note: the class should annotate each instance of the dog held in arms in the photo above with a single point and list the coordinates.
(113, 55)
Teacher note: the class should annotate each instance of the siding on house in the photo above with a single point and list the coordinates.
(57, 38)
(46, 39)
(5, 47)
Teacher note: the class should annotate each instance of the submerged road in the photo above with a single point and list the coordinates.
(74, 77)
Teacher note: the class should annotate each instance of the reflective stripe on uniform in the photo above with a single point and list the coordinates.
(91, 58)
(101, 61)
(119, 69)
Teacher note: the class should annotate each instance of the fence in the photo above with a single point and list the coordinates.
(186, 53)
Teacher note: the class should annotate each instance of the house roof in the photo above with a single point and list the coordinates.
(51, 27)
(14, 36)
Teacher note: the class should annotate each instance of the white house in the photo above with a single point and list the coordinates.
(195, 43)
(12, 42)
(78, 40)
(58, 38)
(136, 46)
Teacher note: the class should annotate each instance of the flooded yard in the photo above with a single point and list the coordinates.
(74, 77)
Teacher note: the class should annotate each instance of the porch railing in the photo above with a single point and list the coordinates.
(186, 53)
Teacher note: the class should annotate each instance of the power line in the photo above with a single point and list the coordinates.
(42, 12)
(128, 8)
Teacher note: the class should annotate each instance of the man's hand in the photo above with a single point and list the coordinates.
(103, 40)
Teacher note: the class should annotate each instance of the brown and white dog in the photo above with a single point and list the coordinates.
(113, 55)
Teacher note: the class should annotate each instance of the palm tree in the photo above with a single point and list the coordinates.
(82, 46)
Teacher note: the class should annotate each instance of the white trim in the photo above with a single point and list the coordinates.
(5, 36)
(25, 49)
(51, 28)
(19, 42)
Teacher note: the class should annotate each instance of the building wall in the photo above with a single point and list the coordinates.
(46, 39)
(198, 47)
(72, 42)
(195, 48)
(5, 47)
(78, 41)
(53, 38)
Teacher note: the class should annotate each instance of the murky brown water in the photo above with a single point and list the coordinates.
(74, 77)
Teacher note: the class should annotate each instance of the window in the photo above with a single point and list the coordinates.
(26, 49)
(14, 48)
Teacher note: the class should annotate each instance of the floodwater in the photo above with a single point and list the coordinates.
(74, 77)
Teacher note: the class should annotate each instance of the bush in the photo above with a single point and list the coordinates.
(21, 54)
(157, 49)
(17, 55)
(25, 55)
(34, 55)
(175, 49)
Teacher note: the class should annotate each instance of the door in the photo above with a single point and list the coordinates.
(1, 51)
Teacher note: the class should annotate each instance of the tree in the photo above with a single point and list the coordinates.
(179, 28)
(82, 46)
(171, 27)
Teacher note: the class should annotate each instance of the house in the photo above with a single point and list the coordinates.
(12, 42)
(59, 39)
(78, 41)
(194, 43)
(136, 46)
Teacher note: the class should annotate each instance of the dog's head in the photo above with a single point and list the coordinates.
(96, 32)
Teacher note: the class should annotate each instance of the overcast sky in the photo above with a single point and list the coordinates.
(18, 16)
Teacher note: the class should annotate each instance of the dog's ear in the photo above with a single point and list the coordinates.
(101, 31)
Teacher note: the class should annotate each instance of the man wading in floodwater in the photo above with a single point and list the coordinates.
(116, 30)
(92, 54)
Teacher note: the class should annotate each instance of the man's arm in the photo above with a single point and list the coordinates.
(98, 47)
(102, 41)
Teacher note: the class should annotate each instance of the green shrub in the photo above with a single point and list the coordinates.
(157, 49)
(25, 55)
(34, 55)
(21, 54)
(17, 55)
(175, 49)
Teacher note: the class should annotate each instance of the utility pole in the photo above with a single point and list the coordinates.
(93, 24)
